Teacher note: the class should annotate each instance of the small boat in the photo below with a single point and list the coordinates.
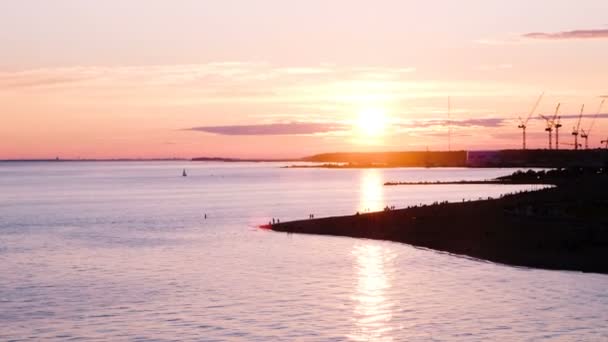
(184, 174)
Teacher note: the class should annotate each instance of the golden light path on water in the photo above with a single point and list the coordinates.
(371, 196)
(373, 309)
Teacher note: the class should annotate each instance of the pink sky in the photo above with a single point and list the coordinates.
(284, 79)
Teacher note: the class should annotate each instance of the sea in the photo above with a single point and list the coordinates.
(122, 251)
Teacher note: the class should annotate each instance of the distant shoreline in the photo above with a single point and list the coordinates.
(238, 160)
(86, 160)
(342, 166)
(224, 160)
(538, 158)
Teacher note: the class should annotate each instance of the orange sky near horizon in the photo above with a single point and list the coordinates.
(84, 83)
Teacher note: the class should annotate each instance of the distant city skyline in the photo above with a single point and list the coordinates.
(279, 79)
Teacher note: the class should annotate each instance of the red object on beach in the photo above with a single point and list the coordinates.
(265, 226)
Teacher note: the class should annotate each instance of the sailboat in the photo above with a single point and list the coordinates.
(184, 174)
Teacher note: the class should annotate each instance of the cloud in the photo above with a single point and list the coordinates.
(479, 122)
(485, 67)
(498, 42)
(292, 128)
(485, 122)
(35, 79)
(307, 128)
(575, 116)
(193, 75)
(563, 35)
(304, 70)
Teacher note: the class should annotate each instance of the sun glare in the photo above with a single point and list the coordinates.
(371, 122)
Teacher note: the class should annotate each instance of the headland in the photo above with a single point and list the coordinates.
(563, 227)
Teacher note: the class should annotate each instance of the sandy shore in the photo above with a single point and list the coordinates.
(563, 228)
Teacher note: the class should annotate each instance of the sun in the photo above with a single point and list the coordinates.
(371, 122)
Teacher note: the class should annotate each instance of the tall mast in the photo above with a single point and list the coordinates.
(449, 125)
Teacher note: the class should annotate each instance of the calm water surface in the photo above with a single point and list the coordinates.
(121, 251)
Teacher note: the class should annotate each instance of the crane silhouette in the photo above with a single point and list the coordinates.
(576, 129)
(585, 133)
(523, 124)
(551, 124)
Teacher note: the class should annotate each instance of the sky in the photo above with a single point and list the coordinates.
(278, 78)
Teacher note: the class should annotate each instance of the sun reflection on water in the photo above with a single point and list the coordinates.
(373, 310)
(371, 196)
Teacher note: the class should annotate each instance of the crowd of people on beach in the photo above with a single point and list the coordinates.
(392, 207)
(388, 208)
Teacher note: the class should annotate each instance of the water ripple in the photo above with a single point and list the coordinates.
(120, 252)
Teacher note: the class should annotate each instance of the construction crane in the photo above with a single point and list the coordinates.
(551, 125)
(548, 129)
(576, 129)
(557, 125)
(523, 124)
(585, 133)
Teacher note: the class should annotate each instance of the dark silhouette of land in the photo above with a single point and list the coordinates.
(90, 160)
(239, 160)
(564, 227)
(389, 159)
(501, 158)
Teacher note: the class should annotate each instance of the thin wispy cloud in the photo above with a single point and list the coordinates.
(189, 74)
(292, 128)
(308, 128)
(575, 116)
(568, 35)
(329, 89)
(503, 66)
(479, 122)
(498, 42)
(487, 122)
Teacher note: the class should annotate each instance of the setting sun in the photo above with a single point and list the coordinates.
(304, 170)
(372, 122)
